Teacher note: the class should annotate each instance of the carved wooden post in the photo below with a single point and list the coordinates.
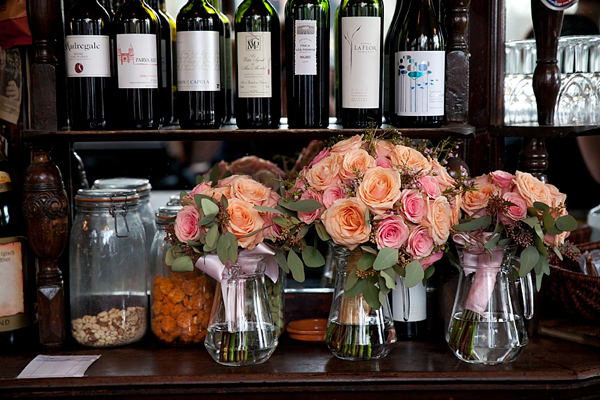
(457, 61)
(546, 84)
(45, 204)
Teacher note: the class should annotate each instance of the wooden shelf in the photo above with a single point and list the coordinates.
(548, 368)
(231, 132)
(546, 131)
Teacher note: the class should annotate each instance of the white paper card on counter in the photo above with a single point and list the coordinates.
(57, 367)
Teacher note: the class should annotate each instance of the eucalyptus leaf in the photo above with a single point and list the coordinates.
(531, 221)
(209, 207)
(198, 199)
(224, 202)
(553, 230)
(371, 295)
(199, 179)
(414, 274)
(428, 273)
(538, 231)
(547, 220)
(399, 270)
(304, 230)
(504, 242)
(208, 249)
(367, 217)
(492, 243)
(365, 261)
(385, 259)
(538, 282)
(308, 205)
(546, 267)
(169, 257)
(368, 249)
(295, 264)
(281, 261)
(322, 232)
(558, 253)
(283, 222)
(566, 223)
(531, 211)
(214, 174)
(233, 247)
(383, 286)
(382, 296)
(182, 194)
(541, 206)
(223, 245)
(529, 257)
(474, 224)
(539, 244)
(356, 289)
(539, 265)
(390, 278)
(182, 264)
(212, 235)
(295, 220)
(268, 209)
(351, 279)
(312, 257)
(206, 220)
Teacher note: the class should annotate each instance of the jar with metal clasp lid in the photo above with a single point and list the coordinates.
(107, 257)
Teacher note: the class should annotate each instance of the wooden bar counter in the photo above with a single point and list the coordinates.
(548, 368)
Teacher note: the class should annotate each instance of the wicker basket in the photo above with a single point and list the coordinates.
(578, 293)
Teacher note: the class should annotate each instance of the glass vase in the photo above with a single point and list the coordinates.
(241, 329)
(276, 299)
(355, 330)
(487, 325)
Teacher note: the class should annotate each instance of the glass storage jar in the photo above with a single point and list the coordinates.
(107, 269)
(180, 301)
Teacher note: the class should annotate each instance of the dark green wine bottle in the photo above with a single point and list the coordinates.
(227, 58)
(360, 39)
(199, 58)
(258, 95)
(418, 69)
(138, 73)
(397, 23)
(307, 63)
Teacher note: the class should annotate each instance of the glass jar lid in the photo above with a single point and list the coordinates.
(174, 200)
(167, 214)
(106, 197)
(140, 185)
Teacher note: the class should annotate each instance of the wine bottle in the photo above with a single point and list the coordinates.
(199, 80)
(361, 41)
(227, 59)
(17, 290)
(258, 95)
(163, 7)
(418, 69)
(409, 310)
(108, 6)
(88, 64)
(138, 56)
(165, 87)
(307, 63)
(397, 23)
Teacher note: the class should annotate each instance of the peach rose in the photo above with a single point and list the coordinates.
(244, 219)
(430, 186)
(331, 194)
(407, 157)
(218, 192)
(392, 232)
(420, 244)
(230, 179)
(413, 205)
(475, 200)
(502, 179)
(456, 210)
(344, 146)
(355, 160)
(519, 210)
(438, 220)
(325, 173)
(441, 174)
(249, 190)
(383, 148)
(185, 224)
(380, 189)
(532, 189)
(483, 179)
(558, 198)
(310, 217)
(345, 222)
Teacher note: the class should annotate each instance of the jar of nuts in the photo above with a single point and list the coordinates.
(181, 301)
(107, 261)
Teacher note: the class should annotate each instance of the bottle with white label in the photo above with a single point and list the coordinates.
(307, 63)
(360, 40)
(167, 51)
(417, 67)
(226, 50)
(17, 295)
(199, 58)
(258, 96)
(87, 52)
(409, 309)
(139, 71)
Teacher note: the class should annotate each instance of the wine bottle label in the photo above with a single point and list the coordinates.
(12, 298)
(163, 63)
(88, 56)
(417, 299)
(305, 47)
(361, 61)
(419, 80)
(137, 61)
(254, 64)
(228, 55)
(198, 61)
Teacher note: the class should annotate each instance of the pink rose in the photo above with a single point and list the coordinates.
(244, 219)
(392, 233)
(380, 189)
(325, 173)
(322, 154)
(426, 262)
(532, 189)
(203, 188)
(438, 220)
(430, 186)
(420, 244)
(344, 146)
(308, 154)
(383, 162)
(272, 231)
(355, 160)
(413, 205)
(483, 179)
(331, 194)
(346, 224)
(383, 148)
(558, 198)
(441, 174)
(518, 211)
(502, 179)
(310, 217)
(185, 224)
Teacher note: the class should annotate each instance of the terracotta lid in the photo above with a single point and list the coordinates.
(315, 326)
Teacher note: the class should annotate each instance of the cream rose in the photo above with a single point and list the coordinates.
(244, 219)
(345, 222)
(249, 190)
(438, 219)
(475, 200)
(532, 189)
(380, 189)
(403, 156)
(344, 146)
(355, 160)
(325, 173)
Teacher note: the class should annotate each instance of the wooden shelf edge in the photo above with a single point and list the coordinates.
(230, 132)
(546, 131)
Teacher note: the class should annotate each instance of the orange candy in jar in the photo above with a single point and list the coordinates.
(181, 306)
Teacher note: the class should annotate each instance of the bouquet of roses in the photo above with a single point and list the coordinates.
(394, 202)
(502, 209)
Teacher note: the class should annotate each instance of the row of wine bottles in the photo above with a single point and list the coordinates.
(140, 69)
